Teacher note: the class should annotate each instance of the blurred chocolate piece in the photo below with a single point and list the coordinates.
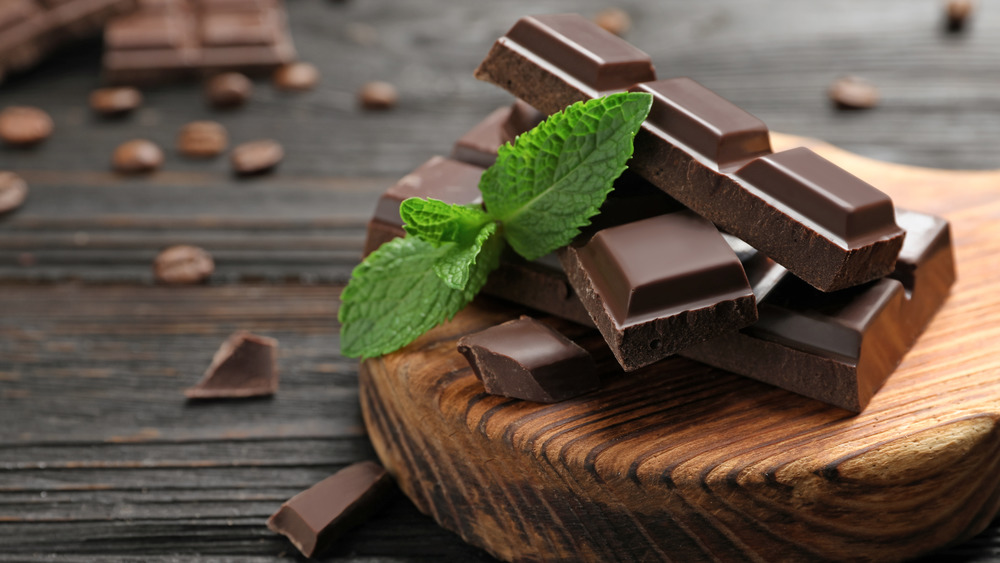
(13, 191)
(246, 365)
(313, 519)
(24, 126)
(183, 264)
(296, 77)
(957, 13)
(479, 145)
(202, 139)
(613, 20)
(169, 40)
(137, 156)
(378, 96)
(851, 92)
(115, 101)
(528, 360)
(256, 157)
(228, 90)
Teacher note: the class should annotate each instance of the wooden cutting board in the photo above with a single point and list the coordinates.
(683, 462)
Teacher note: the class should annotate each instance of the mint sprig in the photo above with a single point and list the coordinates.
(539, 193)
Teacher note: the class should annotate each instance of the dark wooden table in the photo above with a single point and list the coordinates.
(100, 456)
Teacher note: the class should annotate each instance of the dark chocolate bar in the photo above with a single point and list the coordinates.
(246, 365)
(528, 360)
(823, 224)
(174, 39)
(838, 347)
(313, 519)
(658, 285)
(479, 145)
(30, 29)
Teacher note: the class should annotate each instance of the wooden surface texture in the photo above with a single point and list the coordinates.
(101, 458)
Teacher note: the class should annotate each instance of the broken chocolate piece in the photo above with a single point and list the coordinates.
(479, 145)
(526, 359)
(658, 285)
(246, 365)
(313, 519)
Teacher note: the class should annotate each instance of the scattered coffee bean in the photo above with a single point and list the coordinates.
(256, 157)
(852, 92)
(228, 90)
(24, 126)
(957, 15)
(183, 264)
(202, 139)
(13, 191)
(296, 77)
(115, 101)
(137, 156)
(614, 20)
(378, 95)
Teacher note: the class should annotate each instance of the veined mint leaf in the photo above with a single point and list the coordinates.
(454, 267)
(436, 221)
(556, 176)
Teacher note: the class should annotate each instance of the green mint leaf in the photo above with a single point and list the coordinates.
(395, 295)
(437, 222)
(556, 176)
(455, 266)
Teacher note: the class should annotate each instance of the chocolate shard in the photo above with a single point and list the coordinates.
(246, 365)
(838, 347)
(315, 518)
(479, 145)
(658, 285)
(554, 60)
(526, 359)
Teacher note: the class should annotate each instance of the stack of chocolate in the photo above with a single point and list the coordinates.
(810, 286)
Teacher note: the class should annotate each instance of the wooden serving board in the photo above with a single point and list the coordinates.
(683, 462)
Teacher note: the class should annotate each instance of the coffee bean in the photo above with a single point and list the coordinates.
(256, 157)
(115, 101)
(13, 191)
(183, 264)
(202, 139)
(614, 20)
(378, 95)
(296, 77)
(228, 90)
(137, 156)
(957, 14)
(24, 126)
(852, 92)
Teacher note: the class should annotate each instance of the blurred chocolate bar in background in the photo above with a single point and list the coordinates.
(169, 40)
(31, 29)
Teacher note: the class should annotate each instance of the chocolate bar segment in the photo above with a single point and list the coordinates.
(658, 285)
(526, 359)
(479, 145)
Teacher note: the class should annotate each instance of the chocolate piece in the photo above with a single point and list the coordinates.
(689, 145)
(313, 519)
(838, 347)
(479, 145)
(202, 139)
(183, 264)
(228, 90)
(246, 365)
(852, 92)
(554, 60)
(168, 40)
(658, 285)
(23, 126)
(296, 77)
(378, 96)
(137, 156)
(256, 157)
(115, 101)
(526, 359)
(13, 191)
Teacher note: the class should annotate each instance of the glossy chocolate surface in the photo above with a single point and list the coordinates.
(479, 145)
(246, 365)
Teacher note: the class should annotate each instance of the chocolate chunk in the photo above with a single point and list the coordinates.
(689, 146)
(314, 519)
(256, 157)
(613, 20)
(526, 359)
(23, 126)
(137, 156)
(479, 145)
(228, 90)
(852, 92)
(169, 40)
(115, 101)
(202, 139)
(658, 285)
(183, 264)
(957, 13)
(246, 365)
(554, 60)
(296, 77)
(838, 347)
(378, 96)
(13, 191)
